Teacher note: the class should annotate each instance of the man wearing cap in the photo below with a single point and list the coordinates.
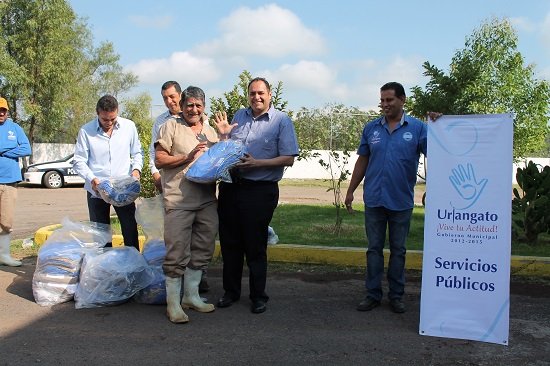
(13, 145)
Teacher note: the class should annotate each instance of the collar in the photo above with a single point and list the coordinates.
(401, 122)
(269, 113)
(100, 129)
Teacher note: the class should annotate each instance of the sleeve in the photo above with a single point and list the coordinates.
(154, 136)
(165, 135)
(81, 155)
(136, 153)
(288, 142)
(363, 149)
(23, 147)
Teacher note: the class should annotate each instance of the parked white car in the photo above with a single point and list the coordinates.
(53, 174)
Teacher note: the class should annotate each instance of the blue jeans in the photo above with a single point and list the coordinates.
(377, 219)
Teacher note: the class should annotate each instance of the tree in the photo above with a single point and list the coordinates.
(237, 98)
(51, 73)
(137, 109)
(338, 129)
(489, 76)
(333, 126)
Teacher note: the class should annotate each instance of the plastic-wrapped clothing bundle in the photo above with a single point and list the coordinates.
(154, 294)
(216, 162)
(112, 277)
(59, 260)
(56, 275)
(119, 191)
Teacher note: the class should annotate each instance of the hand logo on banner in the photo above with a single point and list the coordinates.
(465, 183)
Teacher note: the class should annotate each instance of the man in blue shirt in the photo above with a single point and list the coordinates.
(246, 206)
(388, 161)
(108, 146)
(13, 145)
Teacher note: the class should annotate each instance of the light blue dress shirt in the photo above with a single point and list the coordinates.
(265, 137)
(99, 156)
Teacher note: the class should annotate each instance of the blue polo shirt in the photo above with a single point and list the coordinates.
(265, 137)
(393, 162)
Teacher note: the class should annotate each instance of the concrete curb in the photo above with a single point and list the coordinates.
(309, 254)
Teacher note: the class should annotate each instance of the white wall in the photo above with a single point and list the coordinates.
(311, 169)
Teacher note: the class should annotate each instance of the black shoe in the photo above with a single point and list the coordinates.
(225, 301)
(367, 304)
(203, 286)
(397, 306)
(258, 307)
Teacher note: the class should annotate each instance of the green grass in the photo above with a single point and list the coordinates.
(314, 225)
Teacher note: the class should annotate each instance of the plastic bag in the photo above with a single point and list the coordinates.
(119, 191)
(154, 252)
(111, 277)
(59, 260)
(272, 238)
(216, 162)
(150, 215)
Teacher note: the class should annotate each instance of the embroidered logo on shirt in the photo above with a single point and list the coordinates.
(375, 137)
(11, 135)
(407, 136)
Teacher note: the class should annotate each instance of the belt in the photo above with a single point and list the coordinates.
(249, 182)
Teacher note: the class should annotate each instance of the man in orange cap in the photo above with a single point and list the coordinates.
(13, 145)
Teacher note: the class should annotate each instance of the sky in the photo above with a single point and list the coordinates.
(324, 52)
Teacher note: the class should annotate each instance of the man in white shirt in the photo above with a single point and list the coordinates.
(171, 94)
(109, 146)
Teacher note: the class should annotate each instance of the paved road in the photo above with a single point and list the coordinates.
(311, 319)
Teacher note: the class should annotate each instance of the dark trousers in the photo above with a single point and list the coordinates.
(245, 211)
(100, 211)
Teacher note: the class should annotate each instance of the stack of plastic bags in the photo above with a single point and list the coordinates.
(59, 260)
(119, 191)
(216, 162)
(73, 264)
(150, 215)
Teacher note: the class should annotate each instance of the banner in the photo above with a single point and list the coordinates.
(467, 233)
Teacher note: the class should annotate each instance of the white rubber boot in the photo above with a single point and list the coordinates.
(173, 309)
(191, 298)
(5, 257)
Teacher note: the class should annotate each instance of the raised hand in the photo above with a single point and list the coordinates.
(223, 126)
